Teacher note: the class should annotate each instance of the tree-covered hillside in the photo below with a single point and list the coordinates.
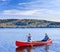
(28, 23)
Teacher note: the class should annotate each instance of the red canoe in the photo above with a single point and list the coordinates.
(34, 43)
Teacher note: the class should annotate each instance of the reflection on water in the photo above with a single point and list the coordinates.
(23, 49)
(29, 49)
(46, 48)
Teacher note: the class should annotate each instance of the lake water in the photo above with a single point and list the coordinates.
(8, 36)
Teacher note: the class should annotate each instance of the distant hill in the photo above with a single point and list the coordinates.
(28, 23)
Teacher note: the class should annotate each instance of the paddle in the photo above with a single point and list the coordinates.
(31, 44)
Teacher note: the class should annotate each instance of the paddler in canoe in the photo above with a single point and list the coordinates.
(46, 38)
(29, 37)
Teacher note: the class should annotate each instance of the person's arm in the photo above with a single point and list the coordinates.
(48, 38)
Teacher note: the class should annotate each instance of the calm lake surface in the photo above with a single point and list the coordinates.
(8, 36)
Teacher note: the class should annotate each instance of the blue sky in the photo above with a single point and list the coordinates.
(30, 9)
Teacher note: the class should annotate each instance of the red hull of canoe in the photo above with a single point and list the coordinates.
(34, 43)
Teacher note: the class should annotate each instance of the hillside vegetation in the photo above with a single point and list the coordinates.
(28, 23)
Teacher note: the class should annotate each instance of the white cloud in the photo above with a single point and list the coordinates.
(30, 12)
(18, 12)
(22, 3)
(45, 14)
